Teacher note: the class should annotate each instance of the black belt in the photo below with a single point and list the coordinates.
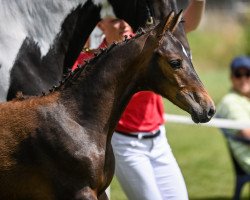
(140, 136)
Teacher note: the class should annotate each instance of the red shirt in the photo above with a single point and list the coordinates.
(144, 113)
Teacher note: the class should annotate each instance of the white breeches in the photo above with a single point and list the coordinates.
(147, 169)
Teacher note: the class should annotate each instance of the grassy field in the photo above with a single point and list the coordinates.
(201, 151)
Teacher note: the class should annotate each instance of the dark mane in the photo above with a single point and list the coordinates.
(72, 76)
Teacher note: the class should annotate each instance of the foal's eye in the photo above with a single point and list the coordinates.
(176, 64)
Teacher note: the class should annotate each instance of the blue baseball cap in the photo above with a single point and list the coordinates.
(240, 62)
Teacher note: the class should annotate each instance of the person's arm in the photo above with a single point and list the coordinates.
(193, 14)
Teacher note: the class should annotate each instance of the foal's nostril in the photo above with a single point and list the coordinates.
(211, 112)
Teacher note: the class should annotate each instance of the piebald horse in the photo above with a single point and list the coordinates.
(58, 146)
(40, 40)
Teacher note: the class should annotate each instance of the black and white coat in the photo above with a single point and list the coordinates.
(43, 35)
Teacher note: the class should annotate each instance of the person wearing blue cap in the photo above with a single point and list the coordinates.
(236, 105)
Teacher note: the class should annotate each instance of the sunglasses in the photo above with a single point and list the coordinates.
(240, 75)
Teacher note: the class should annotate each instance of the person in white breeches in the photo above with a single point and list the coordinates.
(147, 169)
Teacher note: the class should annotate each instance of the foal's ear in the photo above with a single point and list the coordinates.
(176, 20)
(165, 25)
(170, 23)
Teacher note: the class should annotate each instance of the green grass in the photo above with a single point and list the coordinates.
(204, 161)
(201, 151)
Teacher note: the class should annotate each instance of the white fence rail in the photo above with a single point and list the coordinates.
(214, 122)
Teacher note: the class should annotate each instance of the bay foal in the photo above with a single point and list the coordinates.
(58, 146)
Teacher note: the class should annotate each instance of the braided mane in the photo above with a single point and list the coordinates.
(72, 76)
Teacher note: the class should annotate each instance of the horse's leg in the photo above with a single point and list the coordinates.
(103, 196)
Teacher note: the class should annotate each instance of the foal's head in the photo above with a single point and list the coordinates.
(171, 72)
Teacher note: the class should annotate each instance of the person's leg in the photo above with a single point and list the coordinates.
(133, 168)
(167, 172)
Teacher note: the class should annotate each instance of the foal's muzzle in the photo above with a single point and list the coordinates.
(205, 116)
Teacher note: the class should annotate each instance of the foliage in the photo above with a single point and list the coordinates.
(215, 44)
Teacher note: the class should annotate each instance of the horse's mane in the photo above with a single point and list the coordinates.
(72, 76)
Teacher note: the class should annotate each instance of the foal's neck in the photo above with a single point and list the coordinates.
(106, 85)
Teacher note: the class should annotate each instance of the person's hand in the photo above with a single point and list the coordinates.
(245, 133)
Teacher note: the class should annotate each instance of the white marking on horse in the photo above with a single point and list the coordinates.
(184, 50)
